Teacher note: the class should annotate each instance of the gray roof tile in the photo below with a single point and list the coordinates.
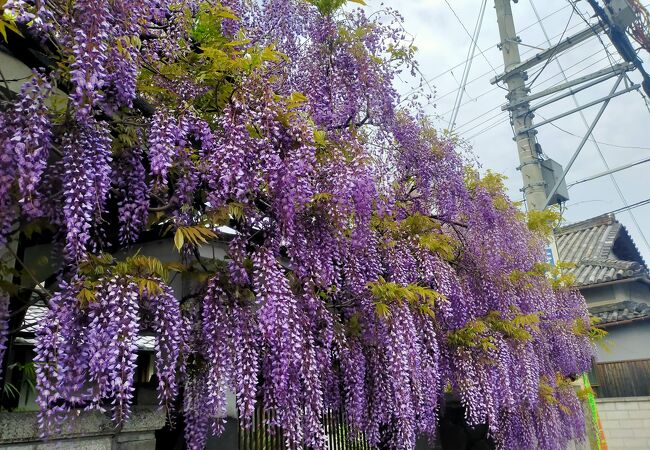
(620, 312)
(602, 250)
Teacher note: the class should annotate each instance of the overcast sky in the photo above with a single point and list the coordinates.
(623, 131)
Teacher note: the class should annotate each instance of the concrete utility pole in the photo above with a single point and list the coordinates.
(522, 117)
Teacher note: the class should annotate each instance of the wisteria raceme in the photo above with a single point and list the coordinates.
(195, 398)
(112, 348)
(129, 177)
(24, 149)
(162, 143)
(218, 336)
(4, 324)
(86, 160)
(370, 271)
(169, 325)
(280, 324)
(33, 13)
(61, 360)
(31, 140)
(90, 50)
(8, 205)
(246, 364)
(229, 340)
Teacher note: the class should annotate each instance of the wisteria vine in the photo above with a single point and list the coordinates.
(369, 268)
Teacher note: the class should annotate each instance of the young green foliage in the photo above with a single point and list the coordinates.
(418, 297)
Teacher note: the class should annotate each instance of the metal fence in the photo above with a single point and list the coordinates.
(262, 436)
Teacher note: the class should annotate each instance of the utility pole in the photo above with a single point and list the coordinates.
(521, 115)
(544, 179)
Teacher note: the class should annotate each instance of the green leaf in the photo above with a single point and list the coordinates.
(382, 310)
(227, 13)
(86, 296)
(179, 239)
(9, 389)
(194, 235)
(296, 100)
(320, 138)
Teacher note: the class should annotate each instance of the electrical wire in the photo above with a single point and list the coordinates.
(600, 153)
(602, 174)
(494, 88)
(554, 54)
(626, 147)
(577, 72)
(469, 35)
(419, 88)
(468, 66)
(628, 208)
(504, 117)
(543, 82)
(590, 25)
(479, 77)
(584, 119)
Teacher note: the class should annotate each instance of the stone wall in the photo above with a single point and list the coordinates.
(626, 422)
(92, 431)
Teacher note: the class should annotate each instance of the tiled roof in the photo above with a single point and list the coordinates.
(620, 312)
(602, 250)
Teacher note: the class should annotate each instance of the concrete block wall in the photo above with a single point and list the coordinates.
(626, 422)
(90, 431)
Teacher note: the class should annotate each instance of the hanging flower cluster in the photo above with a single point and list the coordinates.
(93, 323)
(25, 141)
(369, 270)
(4, 324)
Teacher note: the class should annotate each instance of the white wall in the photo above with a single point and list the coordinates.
(626, 422)
(625, 342)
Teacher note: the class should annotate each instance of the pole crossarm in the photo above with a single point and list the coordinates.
(571, 92)
(584, 140)
(599, 77)
(607, 98)
(549, 53)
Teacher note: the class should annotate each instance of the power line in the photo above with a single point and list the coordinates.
(506, 118)
(468, 66)
(543, 82)
(600, 153)
(412, 91)
(554, 54)
(628, 208)
(584, 119)
(590, 25)
(492, 69)
(498, 87)
(469, 35)
(616, 169)
(627, 147)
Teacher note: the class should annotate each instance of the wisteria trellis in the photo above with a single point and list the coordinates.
(371, 270)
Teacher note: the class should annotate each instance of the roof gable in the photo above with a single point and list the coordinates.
(602, 250)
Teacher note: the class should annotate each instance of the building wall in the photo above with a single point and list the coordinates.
(613, 293)
(90, 430)
(597, 296)
(626, 422)
(625, 342)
